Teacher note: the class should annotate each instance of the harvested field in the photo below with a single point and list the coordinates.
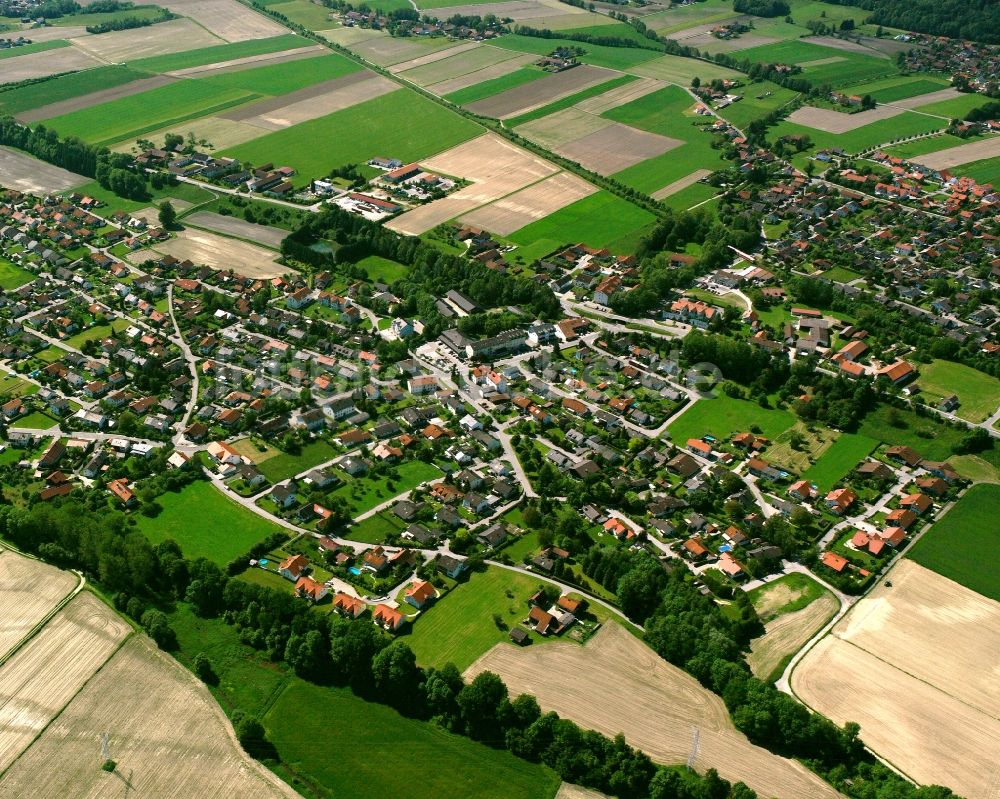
(963, 154)
(522, 208)
(615, 683)
(163, 38)
(846, 45)
(682, 183)
(45, 63)
(227, 19)
(496, 169)
(22, 172)
(676, 69)
(29, 589)
(830, 121)
(220, 132)
(617, 147)
(436, 55)
(562, 127)
(457, 65)
(926, 99)
(348, 37)
(620, 96)
(386, 50)
(250, 62)
(167, 734)
(53, 32)
(517, 10)
(218, 252)
(314, 101)
(788, 633)
(915, 665)
(38, 681)
(522, 99)
(569, 791)
(94, 98)
(264, 235)
(481, 75)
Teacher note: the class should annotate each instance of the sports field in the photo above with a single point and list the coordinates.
(205, 523)
(459, 627)
(723, 416)
(958, 544)
(978, 393)
(380, 127)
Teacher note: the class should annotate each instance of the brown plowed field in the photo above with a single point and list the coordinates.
(536, 202)
(529, 96)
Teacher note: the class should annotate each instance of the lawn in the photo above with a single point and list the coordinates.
(130, 117)
(978, 393)
(571, 100)
(284, 465)
(843, 455)
(290, 76)
(96, 332)
(36, 421)
(443, 765)
(597, 220)
(960, 544)
(460, 626)
(668, 113)
(380, 127)
(13, 386)
(620, 58)
(36, 47)
(785, 595)
(932, 439)
(12, 276)
(375, 529)
(452, 766)
(723, 416)
(840, 274)
(65, 87)
(219, 53)
(205, 523)
(480, 91)
(382, 269)
(364, 493)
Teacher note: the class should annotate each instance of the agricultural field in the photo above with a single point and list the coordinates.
(44, 675)
(205, 523)
(467, 95)
(29, 590)
(166, 733)
(680, 70)
(723, 416)
(221, 252)
(843, 455)
(900, 87)
(460, 627)
(165, 38)
(967, 153)
(522, 100)
(978, 393)
(948, 103)
(580, 98)
(220, 53)
(234, 226)
(823, 65)
(619, 58)
(615, 684)
(49, 58)
(759, 100)
(911, 150)
(793, 609)
(285, 77)
(880, 132)
(517, 210)
(985, 171)
(309, 15)
(379, 127)
(914, 665)
(955, 545)
(230, 20)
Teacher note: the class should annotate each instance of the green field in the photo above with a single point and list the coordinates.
(36, 421)
(598, 220)
(571, 100)
(723, 416)
(961, 544)
(955, 108)
(978, 393)
(380, 127)
(442, 764)
(130, 117)
(144, 12)
(375, 491)
(36, 47)
(985, 171)
(848, 67)
(804, 590)
(480, 91)
(284, 465)
(843, 455)
(289, 76)
(460, 627)
(96, 332)
(884, 131)
(450, 766)
(913, 149)
(12, 276)
(219, 53)
(680, 17)
(182, 191)
(681, 70)
(901, 87)
(612, 57)
(311, 16)
(759, 100)
(205, 523)
(382, 269)
(667, 112)
(65, 87)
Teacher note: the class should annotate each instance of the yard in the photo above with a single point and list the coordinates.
(843, 455)
(460, 627)
(12, 276)
(960, 544)
(95, 333)
(376, 528)
(978, 393)
(205, 523)
(282, 465)
(722, 416)
(364, 493)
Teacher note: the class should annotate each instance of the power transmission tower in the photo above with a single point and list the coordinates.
(695, 736)
(105, 749)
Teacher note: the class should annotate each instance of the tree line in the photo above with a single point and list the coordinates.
(957, 19)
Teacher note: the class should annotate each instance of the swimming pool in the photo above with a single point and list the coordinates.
(354, 570)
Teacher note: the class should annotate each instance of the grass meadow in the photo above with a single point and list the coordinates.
(978, 393)
(219, 53)
(66, 87)
(843, 455)
(723, 416)
(480, 91)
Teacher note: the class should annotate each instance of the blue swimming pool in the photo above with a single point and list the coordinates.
(354, 570)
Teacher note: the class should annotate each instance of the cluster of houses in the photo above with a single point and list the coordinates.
(227, 172)
(972, 65)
